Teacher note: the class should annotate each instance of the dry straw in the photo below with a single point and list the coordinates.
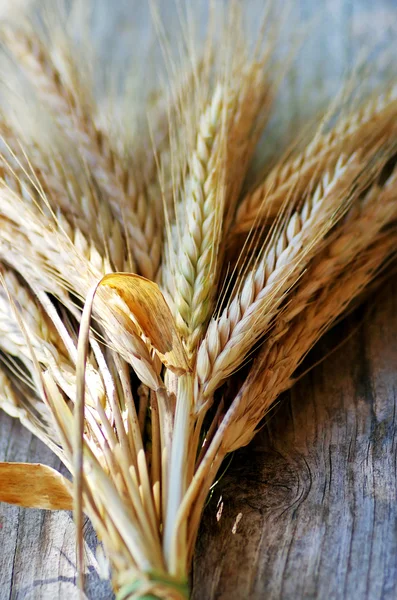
(122, 378)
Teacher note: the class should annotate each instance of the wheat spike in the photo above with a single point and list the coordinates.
(56, 188)
(69, 195)
(128, 206)
(81, 267)
(228, 131)
(49, 185)
(196, 259)
(363, 224)
(274, 368)
(290, 178)
(249, 119)
(251, 310)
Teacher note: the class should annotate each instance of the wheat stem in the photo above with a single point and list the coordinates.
(178, 475)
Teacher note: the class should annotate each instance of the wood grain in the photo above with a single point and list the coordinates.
(309, 509)
(306, 511)
(37, 547)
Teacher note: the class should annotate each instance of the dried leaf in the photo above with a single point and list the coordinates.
(146, 302)
(34, 486)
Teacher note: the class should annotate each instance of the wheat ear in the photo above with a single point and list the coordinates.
(72, 116)
(196, 260)
(274, 368)
(56, 188)
(249, 313)
(75, 264)
(49, 185)
(363, 224)
(218, 167)
(361, 228)
(252, 111)
(73, 199)
(291, 177)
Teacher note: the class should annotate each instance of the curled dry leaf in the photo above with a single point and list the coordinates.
(152, 313)
(34, 486)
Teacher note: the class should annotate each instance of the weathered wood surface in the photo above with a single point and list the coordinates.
(309, 509)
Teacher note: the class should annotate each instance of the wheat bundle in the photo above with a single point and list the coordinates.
(128, 343)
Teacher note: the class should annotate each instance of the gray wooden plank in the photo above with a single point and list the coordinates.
(309, 509)
(37, 548)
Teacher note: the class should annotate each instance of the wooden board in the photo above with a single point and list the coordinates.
(309, 509)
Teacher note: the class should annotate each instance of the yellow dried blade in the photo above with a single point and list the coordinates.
(151, 311)
(34, 486)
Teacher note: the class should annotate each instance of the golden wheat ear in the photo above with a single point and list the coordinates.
(73, 115)
(291, 177)
(255, 301)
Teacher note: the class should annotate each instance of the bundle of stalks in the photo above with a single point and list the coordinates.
(117, 356)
